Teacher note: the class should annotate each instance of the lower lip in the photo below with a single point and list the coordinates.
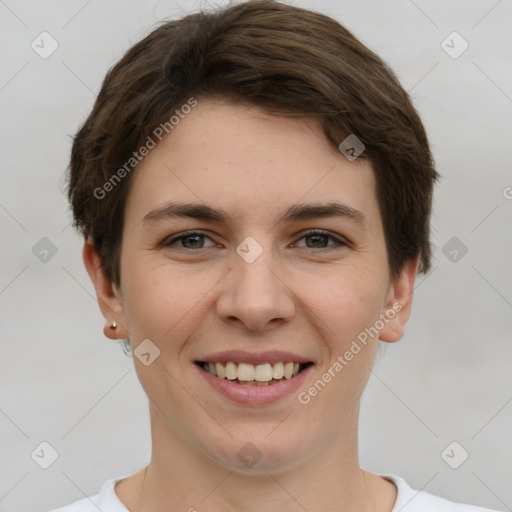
(254, 395)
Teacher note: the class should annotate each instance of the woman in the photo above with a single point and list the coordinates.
(254, 188)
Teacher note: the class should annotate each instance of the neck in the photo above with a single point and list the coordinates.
(191, 480)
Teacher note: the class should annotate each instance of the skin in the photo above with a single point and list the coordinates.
(306, 295)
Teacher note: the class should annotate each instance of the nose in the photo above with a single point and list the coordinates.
(255, 295)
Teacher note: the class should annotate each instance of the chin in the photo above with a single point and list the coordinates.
(259, 455)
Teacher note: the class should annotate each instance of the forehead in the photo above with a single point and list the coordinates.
(249, 162)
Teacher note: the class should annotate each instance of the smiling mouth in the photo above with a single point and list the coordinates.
(246, 374)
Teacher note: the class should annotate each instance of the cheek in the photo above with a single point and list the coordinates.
(345, 300)
(346, 307)
(162, 301)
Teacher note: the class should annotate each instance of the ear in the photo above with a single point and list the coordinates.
(109, 297)
(399, 302)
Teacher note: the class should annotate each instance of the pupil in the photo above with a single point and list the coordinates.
(323, 238)
(197, 238)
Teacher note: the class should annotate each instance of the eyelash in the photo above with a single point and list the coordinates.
(339, 242)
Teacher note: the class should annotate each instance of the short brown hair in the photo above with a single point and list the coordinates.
(287, 60)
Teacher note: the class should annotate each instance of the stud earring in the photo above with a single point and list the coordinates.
(113, 325)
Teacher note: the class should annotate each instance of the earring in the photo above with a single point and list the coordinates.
(126, 347)
(113, 325)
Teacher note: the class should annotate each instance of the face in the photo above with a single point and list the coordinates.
(281, 259)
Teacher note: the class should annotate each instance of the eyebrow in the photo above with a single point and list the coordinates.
(295, 212)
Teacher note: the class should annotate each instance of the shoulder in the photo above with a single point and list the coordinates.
(106, 500)
(410, 500)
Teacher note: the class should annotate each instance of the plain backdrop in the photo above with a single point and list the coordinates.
(448, 380)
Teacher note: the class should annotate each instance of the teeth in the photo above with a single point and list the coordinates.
(251, 383)
(278, 371)
(221, 370)
(231, 371)
(249, 375)
(288, 370)
(246, 372)
(263, 372)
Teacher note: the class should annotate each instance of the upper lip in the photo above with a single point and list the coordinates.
(242, 356)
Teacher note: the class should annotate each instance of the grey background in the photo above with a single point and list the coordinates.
(447, 380)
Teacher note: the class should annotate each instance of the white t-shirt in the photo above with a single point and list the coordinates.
(407, 500)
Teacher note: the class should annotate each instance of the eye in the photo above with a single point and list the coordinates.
(315, 239)
(319, 239)
(189, 240)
